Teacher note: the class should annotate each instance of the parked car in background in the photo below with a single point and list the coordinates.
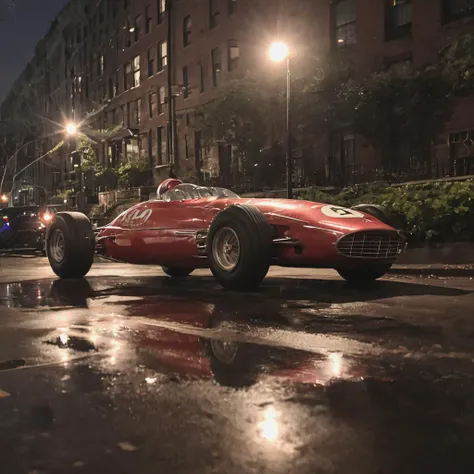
(24, 227)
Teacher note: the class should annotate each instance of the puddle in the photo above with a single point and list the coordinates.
(12, 364)
(75, 343)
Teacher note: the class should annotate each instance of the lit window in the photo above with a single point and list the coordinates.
(161, 6)
(162, 55)
(136, 71)
(345, 23)
(233, 55)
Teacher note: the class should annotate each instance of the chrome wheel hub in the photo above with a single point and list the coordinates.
(57, 246)
(226, 249)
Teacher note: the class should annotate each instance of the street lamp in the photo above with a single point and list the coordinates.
(71, 129)
(279, 52)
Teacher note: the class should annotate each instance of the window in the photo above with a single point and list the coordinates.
(101, 65)
(201, 78)
(456, 9)
(138, 111)
(232, 6)
(129, 114)
(161, 6)
(152, 105)
(116, 83)
(185, 82)
(213, 13)
(129, 31)
(461, 150)
(161, 142)
(398, 18)
(136, 71)
(344, 23)
(122, 115)
(216, 66)
(162, 55)
(233, 55)
(187, 24)
(127, 76)
(151, 62)
(187, 147)
(137, 28)
(161, 99)
(148, 19)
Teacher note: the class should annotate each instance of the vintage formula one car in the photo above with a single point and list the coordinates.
(189, 227)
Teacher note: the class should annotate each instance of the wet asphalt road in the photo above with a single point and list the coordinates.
(128, 371)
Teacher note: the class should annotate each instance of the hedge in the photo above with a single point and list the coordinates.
(437, 211)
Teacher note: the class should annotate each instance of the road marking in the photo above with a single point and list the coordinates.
(4, 394)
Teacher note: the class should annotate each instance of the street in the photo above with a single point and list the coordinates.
(128, 371)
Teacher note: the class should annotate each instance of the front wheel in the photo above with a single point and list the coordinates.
(175, 272)
(363, 274)
(70, 245)
(239, 247)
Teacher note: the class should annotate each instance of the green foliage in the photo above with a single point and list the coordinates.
(457, 59)
(393, 107)
(438, 210)
(89, 161)
(240, 116)
(132, 172)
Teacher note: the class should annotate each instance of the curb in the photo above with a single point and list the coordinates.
(458, 253)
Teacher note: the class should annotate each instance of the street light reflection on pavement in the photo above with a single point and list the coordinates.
(268, 428)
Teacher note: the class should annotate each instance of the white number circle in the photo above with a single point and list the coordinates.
(341, 212)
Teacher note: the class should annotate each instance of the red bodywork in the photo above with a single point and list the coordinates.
(173, 233)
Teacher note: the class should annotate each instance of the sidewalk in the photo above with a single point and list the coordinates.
(466, 270)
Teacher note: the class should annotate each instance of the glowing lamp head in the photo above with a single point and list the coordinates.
(47, 217)
(279, 52)
(71, 128)
(4, 198)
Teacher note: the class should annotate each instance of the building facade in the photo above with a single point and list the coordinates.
(131, 73)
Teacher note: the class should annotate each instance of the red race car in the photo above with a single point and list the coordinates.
(189, 227)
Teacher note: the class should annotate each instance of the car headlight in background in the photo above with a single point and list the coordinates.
(47, 217)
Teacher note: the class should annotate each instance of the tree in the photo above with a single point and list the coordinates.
(393, 107)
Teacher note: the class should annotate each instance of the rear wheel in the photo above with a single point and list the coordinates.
(239, 247)
(175, 272)
(364, 274)
(70, 245)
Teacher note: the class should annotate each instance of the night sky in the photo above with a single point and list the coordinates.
(23, 27)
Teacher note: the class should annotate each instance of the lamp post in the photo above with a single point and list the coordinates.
(70, 129)
(279, 52)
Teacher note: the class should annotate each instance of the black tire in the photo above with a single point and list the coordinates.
(175, 272)
(255, 239)
(380, 213)
(79, 244)
(364, 274)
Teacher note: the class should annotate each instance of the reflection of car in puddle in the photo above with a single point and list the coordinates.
(59, 293)
(218, 350)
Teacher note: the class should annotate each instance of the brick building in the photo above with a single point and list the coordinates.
(140, 68)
